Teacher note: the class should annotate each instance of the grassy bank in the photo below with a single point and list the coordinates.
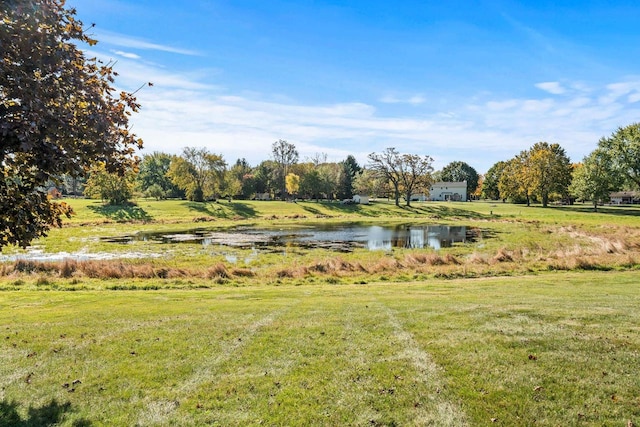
(512, 240)
(558, 349)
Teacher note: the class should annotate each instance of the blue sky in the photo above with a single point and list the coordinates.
(475, 80)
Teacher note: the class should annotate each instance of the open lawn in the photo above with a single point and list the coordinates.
(534, 323)
(558, 349)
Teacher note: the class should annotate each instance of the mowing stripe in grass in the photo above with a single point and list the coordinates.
(157, 412)
(441, 411)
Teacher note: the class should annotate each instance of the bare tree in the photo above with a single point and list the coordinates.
(285, 155)
(318, 159)
(407, 173)
(415, 174)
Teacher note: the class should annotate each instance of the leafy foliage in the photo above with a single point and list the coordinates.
(153, 179)
(593, 179)
(293, 183)
(58, 114)
(623, 147)
(241, 180)
(549, 170)
(199, 173)
(113, 188)
(514, 183)
(490, 189)
(368, 183)
(350, 169)
(460, 171)
(538, 172)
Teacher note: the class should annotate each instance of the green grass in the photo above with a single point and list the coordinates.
(536, 323)
(557, 349)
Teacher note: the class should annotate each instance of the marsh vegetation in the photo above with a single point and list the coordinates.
(277, 242)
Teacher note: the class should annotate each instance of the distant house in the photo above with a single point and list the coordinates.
(363, 200)
(263, 196)
(448, 191)
(625, 198)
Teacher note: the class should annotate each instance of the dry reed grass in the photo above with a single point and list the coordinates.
(243, 272)
(218, 271)
(91, 269)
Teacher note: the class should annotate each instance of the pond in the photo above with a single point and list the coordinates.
(343, 238)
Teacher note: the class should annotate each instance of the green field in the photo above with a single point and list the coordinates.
(536, 324)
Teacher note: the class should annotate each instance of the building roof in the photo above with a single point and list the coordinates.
(449, 184)
(625, 194)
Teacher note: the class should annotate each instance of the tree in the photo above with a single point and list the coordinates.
(230, 186)
(293, 183)
(199, 173)
(477, 193)
(153, 173)
(311, 184)
(111, 187)
(368, 183)
(156, 192)
(415, 174)
(285, 155)
(460, 171)
(243, 173)
(59, 113)
(593, 179)
(349, 170)
(549, 170)
(623, 147)
(514, 180)
(386, 165)
(490, 188)
(265, 177)
(542, 170)
(407, 173)
(329, 179)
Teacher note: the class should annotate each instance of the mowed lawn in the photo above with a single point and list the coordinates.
(554, 349)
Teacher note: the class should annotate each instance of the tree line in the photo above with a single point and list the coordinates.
(541, 174)
(199, 175)
(544, 172)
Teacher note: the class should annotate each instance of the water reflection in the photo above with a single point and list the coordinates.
(338, 238)
(415, 237)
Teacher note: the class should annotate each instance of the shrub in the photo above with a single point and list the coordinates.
(218, 271)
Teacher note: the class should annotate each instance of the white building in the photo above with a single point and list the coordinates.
(449, 191)
(363, 200)
(625, 198)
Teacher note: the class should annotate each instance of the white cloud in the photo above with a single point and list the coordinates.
(128, 55)
(115, 39)
(412, 100)
(480, 134)
(554, 88)
(133, 73)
